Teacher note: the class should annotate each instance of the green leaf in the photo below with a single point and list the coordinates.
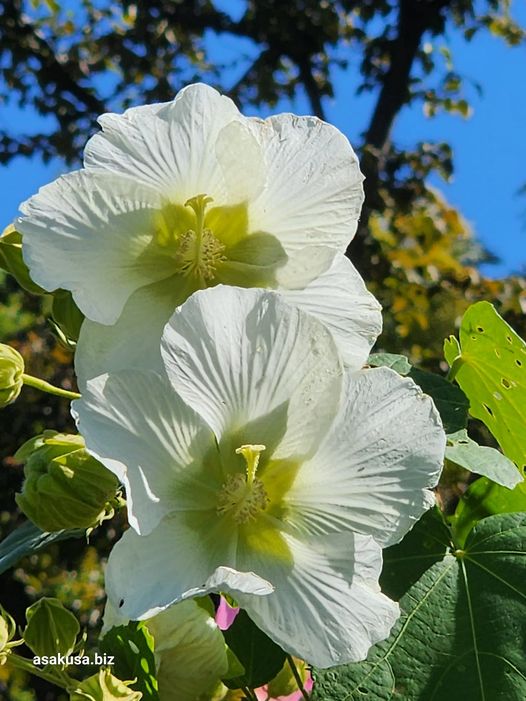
(51, 629)
(399, 363)
(462, 632)
(451, 402)
(11, 260)
(259, 655)
(485, 498)
(489, 364)
(132, 646)
(484, 461)
(27, 539)
(404, 563)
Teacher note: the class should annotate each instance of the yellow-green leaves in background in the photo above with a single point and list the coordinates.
(489, 364)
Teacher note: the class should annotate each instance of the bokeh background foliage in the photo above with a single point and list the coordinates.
(70, 61)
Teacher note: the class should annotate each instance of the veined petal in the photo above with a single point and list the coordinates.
(314, 191)
(327, 607)
(374, 471)
(137, 426)
(246, 360)
(169, 146)
(89, 232)
(134, 340)
(339, 299)
(173, 563)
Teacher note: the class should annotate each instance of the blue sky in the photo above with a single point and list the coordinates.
(489, 148)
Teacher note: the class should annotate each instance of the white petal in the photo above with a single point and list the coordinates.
(340, 300)
(244, 357)
(169, 146)
(314, 189)
(326, 607)
(134, 341)
(140, 429)
(146, 574)
(374, 471)
(88, 232)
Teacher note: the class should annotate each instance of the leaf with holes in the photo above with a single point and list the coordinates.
(467, 453)
(489, 364)
(462, 632)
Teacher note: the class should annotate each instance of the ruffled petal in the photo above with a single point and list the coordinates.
(135, 424)
(314, 191)
(170, 146)
(249, 363)
(173, 563)
(340, 300)
(90, 232)
(374, 471)
(327, 607)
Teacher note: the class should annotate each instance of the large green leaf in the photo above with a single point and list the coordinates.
(489, 364)
(404, 563)
(27, 539)
(451, 402)
(462, 633)
(259, 655)
(485, 461)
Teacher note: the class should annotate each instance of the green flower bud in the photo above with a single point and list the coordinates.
(51, 629)
(11, 374)
(7, 633)
(103, 686)
(11, 260)
(65, 487)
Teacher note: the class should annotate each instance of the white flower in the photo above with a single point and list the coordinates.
(184, 195)
(268, 489)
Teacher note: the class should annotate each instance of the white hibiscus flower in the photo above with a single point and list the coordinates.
(185, 195)
(268, 488)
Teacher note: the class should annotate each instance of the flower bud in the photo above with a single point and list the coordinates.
(65, 487)
(103, 686)
(7, 633)
(11, 374)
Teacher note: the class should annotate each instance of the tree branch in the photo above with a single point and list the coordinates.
(415, 17)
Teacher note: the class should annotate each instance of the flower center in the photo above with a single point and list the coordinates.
(244, 496)
(198, 250)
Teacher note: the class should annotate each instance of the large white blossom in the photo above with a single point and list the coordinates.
(279, 486)
(184, 195)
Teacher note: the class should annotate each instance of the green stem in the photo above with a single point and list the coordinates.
(44, 386)
(251, 696)
(64, 681)
(297, 677)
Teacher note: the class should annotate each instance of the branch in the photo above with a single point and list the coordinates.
(415, 17)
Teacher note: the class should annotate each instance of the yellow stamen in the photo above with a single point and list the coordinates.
(199, 251)
(244, 497)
